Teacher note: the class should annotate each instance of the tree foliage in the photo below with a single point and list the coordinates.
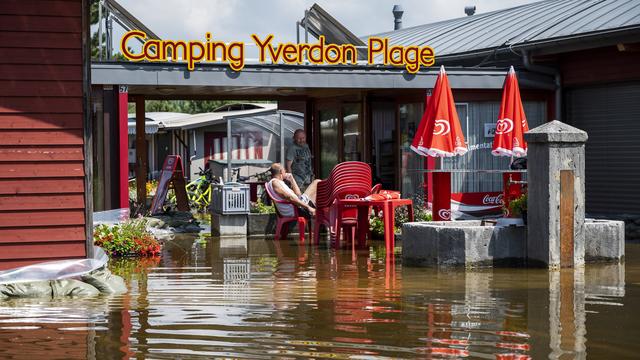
(183, 106)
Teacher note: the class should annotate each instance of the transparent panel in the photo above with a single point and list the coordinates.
(383, 155)
(473, 119)
(411, 164)
(352, 131)
(254, 146)
(328, 140)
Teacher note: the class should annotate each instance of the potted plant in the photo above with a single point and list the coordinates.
(518, 207)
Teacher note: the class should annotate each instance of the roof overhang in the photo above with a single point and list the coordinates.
(171, 80)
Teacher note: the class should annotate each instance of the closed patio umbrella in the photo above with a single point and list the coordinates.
(512, 122)
(439, 133)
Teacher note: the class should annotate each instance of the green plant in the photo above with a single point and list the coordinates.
(261, 208)
(128, 238)
(376, 225)
(518, 206)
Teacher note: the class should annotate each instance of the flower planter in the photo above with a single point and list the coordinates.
(261, 224)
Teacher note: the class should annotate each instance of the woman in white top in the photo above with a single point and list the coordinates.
(281, 191)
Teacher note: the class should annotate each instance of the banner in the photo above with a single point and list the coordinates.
(477, 204)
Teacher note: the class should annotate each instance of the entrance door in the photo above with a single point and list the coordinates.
(329, 149)
(341, 138)
(383, 149)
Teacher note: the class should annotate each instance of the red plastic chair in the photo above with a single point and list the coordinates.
(351, 179)
(347, 179)
(282, 222)
(322, 209)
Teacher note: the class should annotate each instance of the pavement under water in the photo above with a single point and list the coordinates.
(235, 298)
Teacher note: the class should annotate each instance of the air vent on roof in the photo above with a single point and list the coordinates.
(397, 17)
(470, 10)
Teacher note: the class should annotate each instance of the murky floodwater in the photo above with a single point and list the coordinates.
(265, 299)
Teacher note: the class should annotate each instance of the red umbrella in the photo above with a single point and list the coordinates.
(512, 123)
(439, 133)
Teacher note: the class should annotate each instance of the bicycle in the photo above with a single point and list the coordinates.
(199, 190)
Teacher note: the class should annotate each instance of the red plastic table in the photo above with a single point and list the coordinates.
(388, 212)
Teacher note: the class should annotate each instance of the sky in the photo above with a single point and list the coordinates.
(236, 20)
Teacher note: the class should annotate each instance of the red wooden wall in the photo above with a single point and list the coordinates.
(42, 162)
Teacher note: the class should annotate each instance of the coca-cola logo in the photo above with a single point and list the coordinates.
(445, 214)
(441, 127)
(504, 126)
(492, 200)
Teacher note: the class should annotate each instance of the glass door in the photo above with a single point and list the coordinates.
(329, 152)
(383, 149)
(352, 132)
(411, 164)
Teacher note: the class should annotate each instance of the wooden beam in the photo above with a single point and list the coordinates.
(567, 212)
(123, 145)
(141, 154)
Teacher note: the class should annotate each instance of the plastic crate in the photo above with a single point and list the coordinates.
(230, 198)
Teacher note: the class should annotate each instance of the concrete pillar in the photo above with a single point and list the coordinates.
(556, 195)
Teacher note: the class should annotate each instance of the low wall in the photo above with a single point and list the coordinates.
(604, 240)
(462, 243)
(470, 243)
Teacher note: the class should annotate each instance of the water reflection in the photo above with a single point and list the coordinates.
(264, 299)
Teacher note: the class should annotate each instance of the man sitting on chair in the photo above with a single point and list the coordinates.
(304, 201)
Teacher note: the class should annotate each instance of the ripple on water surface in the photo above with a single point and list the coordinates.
(265, 299)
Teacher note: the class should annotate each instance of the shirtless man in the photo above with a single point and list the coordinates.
(291, 194)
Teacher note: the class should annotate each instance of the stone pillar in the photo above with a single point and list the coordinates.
(555, 234)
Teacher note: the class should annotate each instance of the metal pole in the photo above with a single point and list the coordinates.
(100, 30)
(228, 150)
(109, 36)
(306, 27)
(297, 32)
(281, 140)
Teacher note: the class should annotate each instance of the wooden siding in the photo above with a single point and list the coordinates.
(600, 66)
(42, 160)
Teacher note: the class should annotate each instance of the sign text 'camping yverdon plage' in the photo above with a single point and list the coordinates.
(233, 53)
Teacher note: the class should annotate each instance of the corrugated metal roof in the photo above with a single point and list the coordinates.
(520, 26)
(211, 118)
(154, 120)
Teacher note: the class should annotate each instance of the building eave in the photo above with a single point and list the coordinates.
(218, 78)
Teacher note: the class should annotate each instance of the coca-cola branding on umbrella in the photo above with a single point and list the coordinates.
(439, 133)
(512, 122)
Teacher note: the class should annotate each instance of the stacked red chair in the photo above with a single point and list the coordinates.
(347, 180)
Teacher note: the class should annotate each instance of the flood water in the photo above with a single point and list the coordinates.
(266, 299)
